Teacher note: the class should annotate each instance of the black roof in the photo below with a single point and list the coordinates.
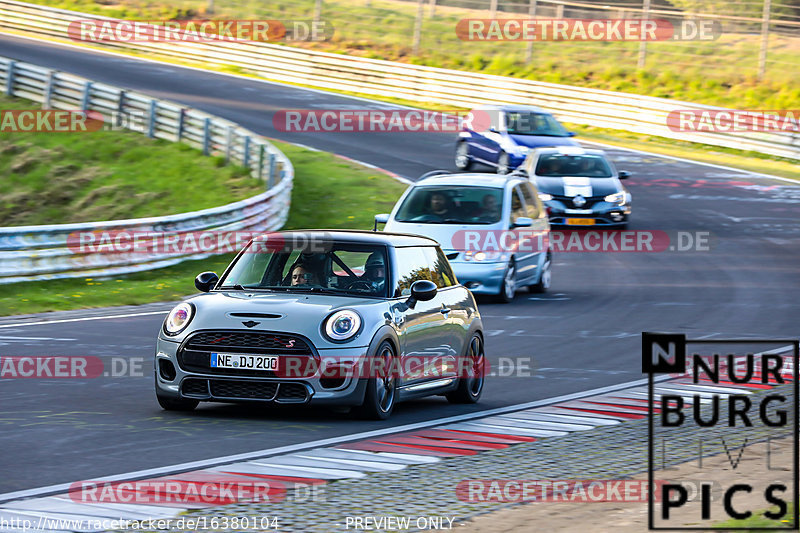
(397, 240)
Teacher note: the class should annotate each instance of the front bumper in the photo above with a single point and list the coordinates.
(326, 386)
(601, 214)
(480, 277)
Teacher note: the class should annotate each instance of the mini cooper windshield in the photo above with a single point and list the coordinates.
(452, 205)
(323, 267)
(585, 165)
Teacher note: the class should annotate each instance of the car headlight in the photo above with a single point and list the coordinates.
(543, 196)
(342, 325)
(178, 318)
(481, 256)
(616, 198)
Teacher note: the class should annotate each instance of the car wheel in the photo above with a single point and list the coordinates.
(470, 386)
(502, 163)
(508, 288)
(176, 404)
(546, 277)
(381, 393)
(463, 160)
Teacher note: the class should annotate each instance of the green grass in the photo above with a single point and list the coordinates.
(54, 178)
(328, 193)
(757, 520)
(720, 72)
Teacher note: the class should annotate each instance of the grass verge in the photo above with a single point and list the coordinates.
(55, 178)
(757, 520)
(328, 192)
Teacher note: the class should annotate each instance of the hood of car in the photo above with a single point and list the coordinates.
(575, 185)
(536, 141)
(280, 312)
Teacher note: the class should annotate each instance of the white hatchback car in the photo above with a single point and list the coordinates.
(492, 228)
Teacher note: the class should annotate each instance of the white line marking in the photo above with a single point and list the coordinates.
(268, 452)
(82, 319)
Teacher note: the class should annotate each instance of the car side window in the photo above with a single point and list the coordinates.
(412, 265)
(517, 206)
(440, 267)
(532, 206)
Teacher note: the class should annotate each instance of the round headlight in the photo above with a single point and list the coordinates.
(342, 325)
(178, 318)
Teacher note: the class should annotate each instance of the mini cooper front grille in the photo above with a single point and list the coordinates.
(246, 390)
(248, 341)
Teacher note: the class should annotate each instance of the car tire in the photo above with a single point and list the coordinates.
(546, 276)
(463, 160)
(381, 393)
(470, 388)
(502, 163)
(176, 404)
(508, 287)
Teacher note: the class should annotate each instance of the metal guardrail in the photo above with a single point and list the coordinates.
(592, 107)
(29, 253)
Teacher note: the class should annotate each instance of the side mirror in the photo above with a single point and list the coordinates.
(624, 174)
(492, 130)
(422, 290)
(383, 218)
(206, 281)
(522, 222)
(571, 134)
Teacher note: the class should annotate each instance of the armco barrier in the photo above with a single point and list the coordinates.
(29, 253)
(593, 107)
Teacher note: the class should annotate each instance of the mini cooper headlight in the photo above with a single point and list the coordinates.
(342, 325)
(543, 196)
(616, 198)
(178, 318)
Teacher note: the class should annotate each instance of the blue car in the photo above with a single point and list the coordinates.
(502, 136)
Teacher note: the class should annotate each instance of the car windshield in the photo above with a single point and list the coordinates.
(522, 123)
(310, 266)
(452, 205)
(583, 165)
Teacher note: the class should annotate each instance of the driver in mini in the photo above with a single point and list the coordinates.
(303, 275)
(375, 273)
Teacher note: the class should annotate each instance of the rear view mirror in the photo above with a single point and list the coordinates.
(422, 290)
(383, 218)
(522, 222)
(206, 281)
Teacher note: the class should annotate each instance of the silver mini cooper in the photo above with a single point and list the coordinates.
(360, 319)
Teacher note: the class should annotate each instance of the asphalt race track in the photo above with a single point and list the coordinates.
(584, 334)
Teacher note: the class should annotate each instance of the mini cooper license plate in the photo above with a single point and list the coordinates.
(244, 361)
(580, 221)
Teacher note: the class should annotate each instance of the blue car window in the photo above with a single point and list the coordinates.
(524, 123)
